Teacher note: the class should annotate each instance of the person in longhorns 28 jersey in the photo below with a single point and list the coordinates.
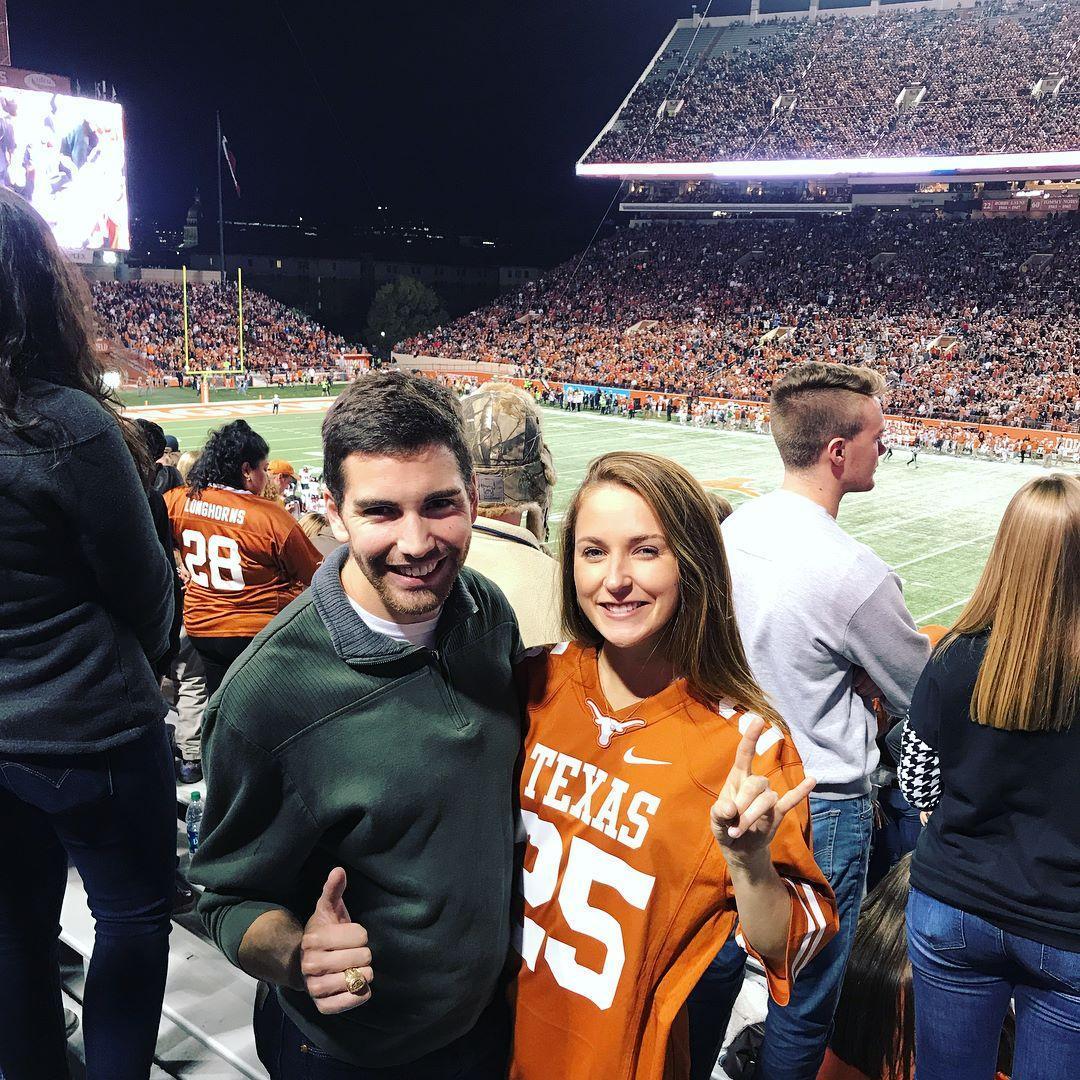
(245, 556)
(663, 806)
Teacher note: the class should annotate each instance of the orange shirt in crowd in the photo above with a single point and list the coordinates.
(246, 555)
(625, 892)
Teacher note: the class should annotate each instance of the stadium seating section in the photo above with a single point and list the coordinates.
(836, 81)
(969, 320)
(146, 318)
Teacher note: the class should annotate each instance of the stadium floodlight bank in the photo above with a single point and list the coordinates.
(974, 166)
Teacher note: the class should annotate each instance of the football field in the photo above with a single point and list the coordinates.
(933, 524)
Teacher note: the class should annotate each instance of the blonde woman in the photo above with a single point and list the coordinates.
(993, 749)
(184, 463)
(661, 796)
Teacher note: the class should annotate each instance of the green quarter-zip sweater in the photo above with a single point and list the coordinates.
(328, 745)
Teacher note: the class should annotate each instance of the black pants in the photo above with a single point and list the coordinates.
(218, 654)
(288, 1054)
(113, 814)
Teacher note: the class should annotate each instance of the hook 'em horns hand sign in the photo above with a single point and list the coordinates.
(748, 812)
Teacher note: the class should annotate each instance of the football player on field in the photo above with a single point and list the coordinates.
(663, 802)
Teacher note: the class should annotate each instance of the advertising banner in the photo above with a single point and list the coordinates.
(608, 390)
(19, 79)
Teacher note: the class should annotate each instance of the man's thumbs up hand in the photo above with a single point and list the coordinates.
(332, 946)
(331, 910)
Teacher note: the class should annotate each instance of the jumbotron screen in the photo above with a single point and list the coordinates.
(65, 155)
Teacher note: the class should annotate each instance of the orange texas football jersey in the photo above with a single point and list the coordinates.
(246, 555)
(625, 896)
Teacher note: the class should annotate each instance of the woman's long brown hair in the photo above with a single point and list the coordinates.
(874, 1028)
(702, 639)
(46, 329)
(1028, 598)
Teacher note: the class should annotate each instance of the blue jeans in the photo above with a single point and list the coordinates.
(895, 836)
(481, 1054)
(965, 971)
(796, 1035)
(114, 815)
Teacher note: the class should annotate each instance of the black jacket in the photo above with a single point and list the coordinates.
(86, 598)
(1003, 841)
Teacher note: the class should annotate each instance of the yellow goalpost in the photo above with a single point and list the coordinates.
(206, 374)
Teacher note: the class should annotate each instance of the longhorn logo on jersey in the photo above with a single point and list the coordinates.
(609, 726)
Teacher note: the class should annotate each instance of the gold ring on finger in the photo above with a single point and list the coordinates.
(355, 982)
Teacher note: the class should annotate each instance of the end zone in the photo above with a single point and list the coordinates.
(226, 410)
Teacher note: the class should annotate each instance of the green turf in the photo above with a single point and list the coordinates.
(173, 395)
(933, 524)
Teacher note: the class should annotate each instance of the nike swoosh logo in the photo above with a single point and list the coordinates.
(632, 759)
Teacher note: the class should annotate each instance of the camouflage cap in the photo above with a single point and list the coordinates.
(502, 430)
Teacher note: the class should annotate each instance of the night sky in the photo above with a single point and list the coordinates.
(467, 115)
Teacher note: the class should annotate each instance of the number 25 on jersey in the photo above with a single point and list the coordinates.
(585, 864)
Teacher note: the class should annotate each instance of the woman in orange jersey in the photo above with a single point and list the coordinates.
(245, 556)
(663, 803)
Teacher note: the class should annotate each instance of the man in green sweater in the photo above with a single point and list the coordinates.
(357, 844)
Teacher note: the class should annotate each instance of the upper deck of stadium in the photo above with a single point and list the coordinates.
(900, 90)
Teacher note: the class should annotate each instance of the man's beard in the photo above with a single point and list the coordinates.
(414, 602)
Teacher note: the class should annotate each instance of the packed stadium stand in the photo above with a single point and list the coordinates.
(969, 320)
(992, 78)
(146, 319)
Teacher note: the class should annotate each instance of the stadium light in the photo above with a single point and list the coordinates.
(803, 167)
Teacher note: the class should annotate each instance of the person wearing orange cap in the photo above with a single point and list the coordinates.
(283, 477)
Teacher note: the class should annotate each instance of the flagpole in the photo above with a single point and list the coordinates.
(220, 211)
(240, 310)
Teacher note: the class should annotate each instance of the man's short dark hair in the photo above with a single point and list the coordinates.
(391, 414)
(815, 403)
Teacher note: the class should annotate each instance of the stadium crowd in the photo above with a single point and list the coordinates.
(723, 311)
(728, 721)
(842, 76)
(147, 318)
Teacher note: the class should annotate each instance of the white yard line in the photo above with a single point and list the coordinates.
(941, 610)
(904, 523)
(944, 550)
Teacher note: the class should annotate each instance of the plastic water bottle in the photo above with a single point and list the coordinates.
(194, 821)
